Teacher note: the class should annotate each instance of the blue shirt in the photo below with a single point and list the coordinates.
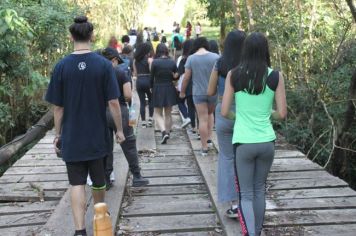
(83, 84)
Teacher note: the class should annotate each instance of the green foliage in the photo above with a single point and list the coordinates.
(34, 35)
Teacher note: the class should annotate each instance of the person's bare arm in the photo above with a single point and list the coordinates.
(185, 82)
(127, 92)
(281, 102)
(213, 82)
(115, 110)
(58, 117)
(227, 99)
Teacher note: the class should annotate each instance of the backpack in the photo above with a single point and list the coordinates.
(125, 66)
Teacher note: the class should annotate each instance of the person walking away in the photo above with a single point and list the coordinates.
(254, 86)
(125, 40)
(224, 127)
(177, 48)
(155, 42)
(129, 145)
(188, 113)
(133, 37)
(82, 85)
(146, 35)
(188, 30)
(113, 43)
(214, 47)
(198, 30)
(163, 73)
(176, 40)
(198, 68)
(142, 61)
(164, 40)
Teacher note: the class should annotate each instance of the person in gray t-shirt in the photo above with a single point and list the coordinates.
(198, 68)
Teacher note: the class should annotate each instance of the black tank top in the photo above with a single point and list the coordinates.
(142, 67)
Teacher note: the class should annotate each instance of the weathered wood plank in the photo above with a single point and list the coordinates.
(40, 157)
(30, 163)
(169, 224)
(170, 173)
(288, 154)
(175, 181)
(323, 230)
(9, 189)
(26, 196)
(41, 151)
(145, 139)
(28, 230)
(167, 205)
(205, 233)
(317, 174)
(165, 166)
(296, 164)
(166, 159)
(309, 217)
(26, 207)
(311, 203)
(28, 219)
(168, 190)
(36, 170)
(185, 152)
(328, 182)
(178, 147)
(33, 178)
(311, 193)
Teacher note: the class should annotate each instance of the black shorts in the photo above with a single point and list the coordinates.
(78, 173)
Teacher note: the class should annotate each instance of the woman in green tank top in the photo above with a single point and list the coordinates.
(254, 86)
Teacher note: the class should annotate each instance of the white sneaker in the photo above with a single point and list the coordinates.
(112, 177)
(186, 122)
(89, 182)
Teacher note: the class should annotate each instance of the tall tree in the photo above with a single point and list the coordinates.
(251, 22)
(237, 13)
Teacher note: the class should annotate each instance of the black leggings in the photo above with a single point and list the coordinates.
(143, 90)
(191, 110)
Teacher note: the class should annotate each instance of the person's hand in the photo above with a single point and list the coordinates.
(55, 143)
(120, 137)
(181, 95)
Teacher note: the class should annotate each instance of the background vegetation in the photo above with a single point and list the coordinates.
(312, 43)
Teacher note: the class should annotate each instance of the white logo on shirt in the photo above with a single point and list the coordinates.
(82, 65)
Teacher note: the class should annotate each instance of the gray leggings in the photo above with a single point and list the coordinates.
(253, 163)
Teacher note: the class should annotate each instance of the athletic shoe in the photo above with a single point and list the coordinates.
(149, 123)
(82, 232)
(112, 177)
(143, 124)
(204, 153)
(89, 182)
(210, 143)
(185, 123)
(165, 137)
(139, 181)
(198, 136)
(192, 131)
(232, 213)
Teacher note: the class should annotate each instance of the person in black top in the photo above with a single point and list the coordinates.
(129, 145)
(163, 73)
(141, 64)
(82, 85)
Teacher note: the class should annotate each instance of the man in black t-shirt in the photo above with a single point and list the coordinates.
(82, 85)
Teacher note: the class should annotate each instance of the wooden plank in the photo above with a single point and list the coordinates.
(52, 156)
(30, 163)
(169, 173)
(41, 151)
(26, 196)
(205, 233)
(311, 203)
(36, 170)
(185, 152)
(288, 154)
(28, 230)
(324, 230)
(145, 139)
(317, 174)
(33, 178)
(168, 205)
(166, 159)
(310, 217)
(26, 207)
(170, 224)
(6, 189)
(175, 181)
(296, 164)
(165, 166)
(177, 148)
(311, 193)
(167, 190)
(28, 219)
(329, 182)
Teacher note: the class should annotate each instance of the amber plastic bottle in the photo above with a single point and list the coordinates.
(102, 220)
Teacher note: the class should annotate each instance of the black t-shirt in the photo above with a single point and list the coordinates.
(83, 84)
(162, 70)
(122, 79)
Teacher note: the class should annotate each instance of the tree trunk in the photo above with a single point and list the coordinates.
(237, 13)
(222, 21)
(36, 132)
(352, 8)
(251, 22)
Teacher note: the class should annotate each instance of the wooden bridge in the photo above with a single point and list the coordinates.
(181, 198)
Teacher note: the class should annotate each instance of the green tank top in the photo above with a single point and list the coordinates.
(252, 123)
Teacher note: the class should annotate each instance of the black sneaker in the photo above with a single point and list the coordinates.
(82, 232)
(139, 181)
(150, 121)
(108, 182)
(165, 137)
(232, 213)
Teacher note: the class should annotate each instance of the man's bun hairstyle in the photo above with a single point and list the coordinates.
(81, 29)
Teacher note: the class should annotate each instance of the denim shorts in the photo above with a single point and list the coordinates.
(198, 99)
